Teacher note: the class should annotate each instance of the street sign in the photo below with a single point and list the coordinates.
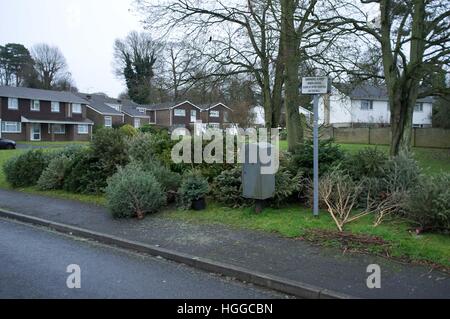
(316, 85)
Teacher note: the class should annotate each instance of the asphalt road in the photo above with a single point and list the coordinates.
(33, 264)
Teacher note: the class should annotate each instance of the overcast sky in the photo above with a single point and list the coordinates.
(84, 30)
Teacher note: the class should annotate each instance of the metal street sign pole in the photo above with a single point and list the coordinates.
(316, 155)
(316, 86)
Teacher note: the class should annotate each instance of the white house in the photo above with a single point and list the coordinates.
(258, 112)
(366, 105)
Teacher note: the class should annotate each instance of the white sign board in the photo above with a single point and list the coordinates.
(315, 85)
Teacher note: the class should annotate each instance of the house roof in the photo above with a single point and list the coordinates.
(100, 103)
(132, 111)
(166, 105)
(207, 107)
(43, 95)
(370, 92)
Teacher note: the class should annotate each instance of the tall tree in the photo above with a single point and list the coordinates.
(414, 40)
(135, 58)
(233, 38)
(16, 65)
(50, 65)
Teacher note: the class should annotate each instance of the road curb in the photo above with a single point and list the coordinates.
(291, 287)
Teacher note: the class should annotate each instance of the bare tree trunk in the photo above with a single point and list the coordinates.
(291, 60)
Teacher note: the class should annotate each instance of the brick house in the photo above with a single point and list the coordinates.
(185, 114)
(103, 110)
(43, 115)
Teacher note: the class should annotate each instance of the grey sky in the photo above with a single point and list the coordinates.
(84, 30)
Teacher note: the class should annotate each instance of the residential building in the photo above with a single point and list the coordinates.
(366, 105)
(215, 115)
(43, 115)
(186, 114)
(134, 115)
(103, 110)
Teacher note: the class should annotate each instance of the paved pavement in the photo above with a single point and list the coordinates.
(34, 263)
(267, 253)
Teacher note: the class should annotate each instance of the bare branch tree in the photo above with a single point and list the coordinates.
(50, 65)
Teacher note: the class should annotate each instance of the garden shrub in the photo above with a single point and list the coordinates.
(110, 148)
(146, 147)
(133, 192)
(428, 203)
(400, 173)
(25, 169)
(53, 176)
(170, 181)
(368, 162)
(227, 188)
(85, 174)
(287, 186)
(128, 130)
(302, 158)
(193, 187)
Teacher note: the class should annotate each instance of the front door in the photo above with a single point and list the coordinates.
(35, 132)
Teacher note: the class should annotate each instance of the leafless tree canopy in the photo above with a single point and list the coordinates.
(50, 65)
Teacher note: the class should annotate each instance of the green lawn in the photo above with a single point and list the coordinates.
(296, 221)
(432, 160)
(52, 144)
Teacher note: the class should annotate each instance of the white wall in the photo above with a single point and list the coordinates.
(340, 108)
(424, 117)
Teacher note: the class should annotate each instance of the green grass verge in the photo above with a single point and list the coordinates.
(295, 221)
(52, 144)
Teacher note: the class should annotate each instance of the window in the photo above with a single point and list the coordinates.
(57, 129)
(108, 121)
(114, 106)
(13, 103)
(137, 123)
(418, 107)
(193, 116)
(366, 105)
(11, 127)
(35, 105)
(76, 108)
(214, 113)
(180, 112)
(55, 107)
(83, 129)
(226, 116)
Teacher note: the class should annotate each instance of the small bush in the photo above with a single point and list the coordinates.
(128, 130)
(170, 181)
(368, 162)
(302, 158)
(24, 170)
(428, 203)
(400, 173)
(133, 192)
(148, 128)
(146, 147)
(110, 148)
(227, 188)
(53, 176)
(193, 187)
(85, 174)
(287, 187)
